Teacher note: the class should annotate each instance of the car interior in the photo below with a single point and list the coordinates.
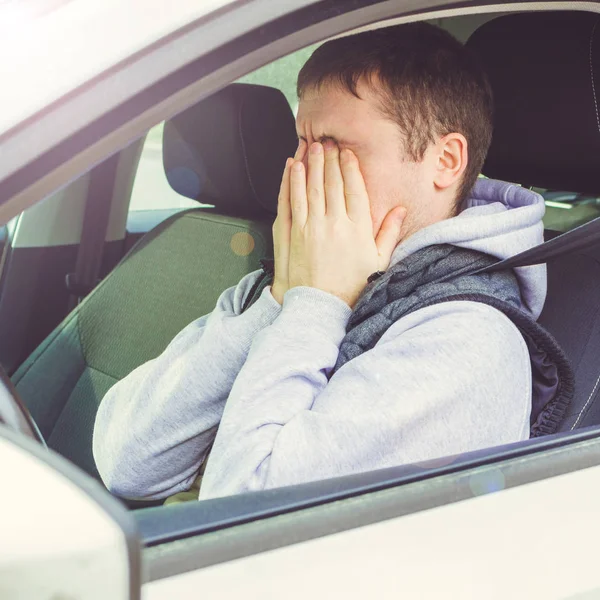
(162, 268)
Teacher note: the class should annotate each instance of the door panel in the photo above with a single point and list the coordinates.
(499, 545)
(484, 531)
(199, 534)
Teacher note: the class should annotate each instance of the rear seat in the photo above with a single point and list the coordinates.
(228, 151)
(544, 69)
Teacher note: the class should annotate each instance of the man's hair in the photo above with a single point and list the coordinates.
(431, 85)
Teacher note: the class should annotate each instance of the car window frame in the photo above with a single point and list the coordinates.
(126, 101)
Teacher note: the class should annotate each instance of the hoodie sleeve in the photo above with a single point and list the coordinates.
(444, 380)
(154, 427)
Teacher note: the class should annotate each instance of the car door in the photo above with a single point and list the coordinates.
(510, 523)
(63, 535)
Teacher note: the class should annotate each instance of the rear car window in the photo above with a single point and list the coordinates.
(151, 189)
(567, 210)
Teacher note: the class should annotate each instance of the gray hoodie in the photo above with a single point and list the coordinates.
(445, 379)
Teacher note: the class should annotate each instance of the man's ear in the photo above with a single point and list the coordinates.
(451, 155)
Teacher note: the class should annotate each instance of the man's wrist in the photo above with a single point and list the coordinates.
(259, 315)
(313, 310)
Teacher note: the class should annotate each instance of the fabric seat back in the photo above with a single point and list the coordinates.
(544, 69)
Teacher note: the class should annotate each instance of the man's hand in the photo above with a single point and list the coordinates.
(331, 239)
(281, 229)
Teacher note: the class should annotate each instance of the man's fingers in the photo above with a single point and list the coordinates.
(335, 202)
(283, 202)
(298, 194)
(301, 151)
(389, 235)
(315, 188)
(357, 199)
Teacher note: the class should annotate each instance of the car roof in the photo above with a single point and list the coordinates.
(83, 82)
(57, 45)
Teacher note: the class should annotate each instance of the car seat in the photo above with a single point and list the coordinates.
(228, 151)
(544, 69)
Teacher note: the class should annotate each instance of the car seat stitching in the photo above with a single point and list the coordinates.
(79, 333)
(243, 228)
(592, 75)
(105, 373)
(580, 415)
(586, 404)
(223, 221)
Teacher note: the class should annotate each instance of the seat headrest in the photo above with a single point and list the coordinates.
(230, 149)
(544, 69)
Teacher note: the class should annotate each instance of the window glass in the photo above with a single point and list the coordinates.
(566, 210)
(282, 74)
(151, 189)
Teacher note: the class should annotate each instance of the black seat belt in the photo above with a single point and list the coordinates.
(93, 232)
(571, 241)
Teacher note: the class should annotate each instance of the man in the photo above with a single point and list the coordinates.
(338, 368)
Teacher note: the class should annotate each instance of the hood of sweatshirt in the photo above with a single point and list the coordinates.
(500, 219)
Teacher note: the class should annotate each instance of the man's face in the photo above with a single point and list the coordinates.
(391, 179)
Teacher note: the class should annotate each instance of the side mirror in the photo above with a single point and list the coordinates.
(63, 535)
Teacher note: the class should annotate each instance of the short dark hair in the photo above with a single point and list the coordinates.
(432, 86)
